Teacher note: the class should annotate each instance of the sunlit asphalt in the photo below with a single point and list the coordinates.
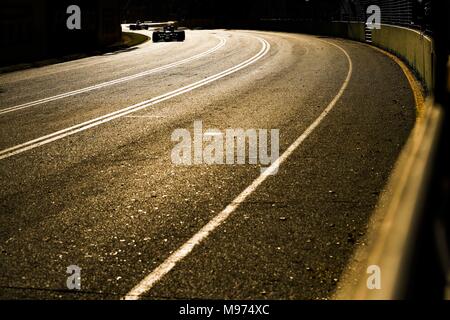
(109, 199)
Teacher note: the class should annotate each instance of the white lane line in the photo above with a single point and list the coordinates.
(6, 153)
(138, 117)
(148, 282)
(116, 81)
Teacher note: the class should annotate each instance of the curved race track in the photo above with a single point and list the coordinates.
(87, 178)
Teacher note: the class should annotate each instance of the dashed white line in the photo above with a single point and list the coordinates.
(157, 274)
(6, 153)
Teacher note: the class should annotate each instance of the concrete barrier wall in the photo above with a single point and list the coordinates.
(410, 45)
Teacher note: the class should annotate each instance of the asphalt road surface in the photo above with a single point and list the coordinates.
(87, 177)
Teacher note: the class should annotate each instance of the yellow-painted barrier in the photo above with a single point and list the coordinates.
(410, 45)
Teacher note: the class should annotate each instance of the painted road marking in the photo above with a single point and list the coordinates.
(157, 274)
(143, 117)
(114, 82)
(6, 153)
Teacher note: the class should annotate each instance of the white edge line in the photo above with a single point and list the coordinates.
(148, 282)
(114, 82)
(6, 153)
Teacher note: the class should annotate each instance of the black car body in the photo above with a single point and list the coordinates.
(139, 26)
(169, 33)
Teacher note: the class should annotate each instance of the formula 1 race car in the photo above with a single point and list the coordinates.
(169, 33)
(139, 26)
